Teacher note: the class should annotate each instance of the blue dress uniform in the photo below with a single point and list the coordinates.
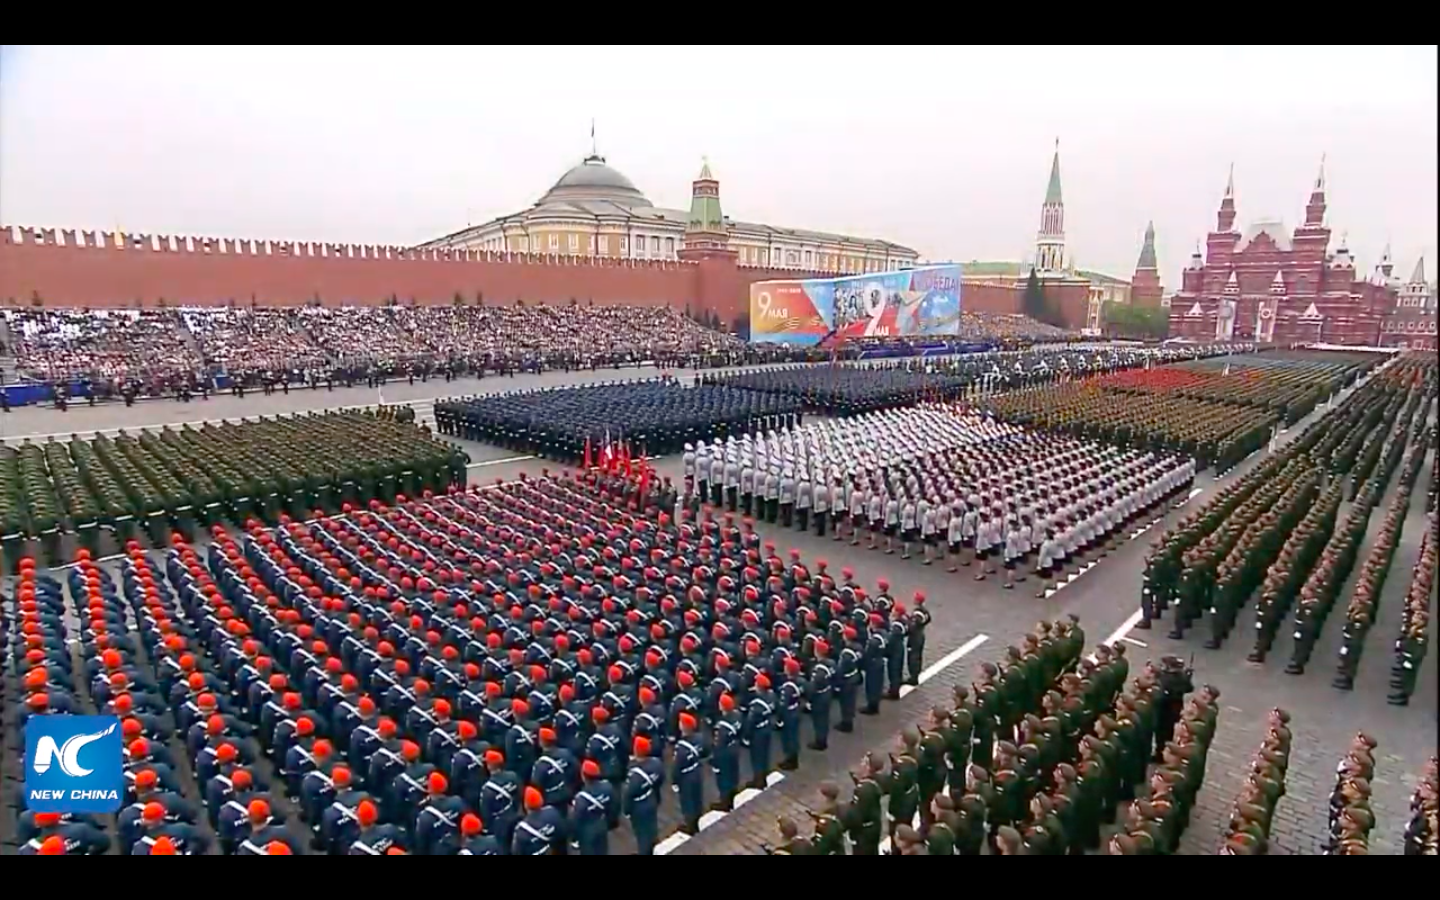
(847, 685)
(467, 772)
(340, 822)
(540, 833)
(759, 727)
(605, 748)
(437, 821)
(791, 698)
(233, 819)
(876, 652)
(130, 826)
(594, 813)
(688, 775)
(26, 827)
(474, 845)
(895, 658)
(188, 840)
(643, 783)
(500, 804)
(376, 841)
(725, 756)
(570, 729)
(919, 619)
(385, 766)
(520, 751)
(407, 791)
(554, 775)
(818, 692)
(317, 791)
(79, 838)
(257, 842)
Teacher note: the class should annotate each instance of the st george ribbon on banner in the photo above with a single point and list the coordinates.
(923, 301)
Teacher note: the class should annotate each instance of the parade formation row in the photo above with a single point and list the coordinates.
(1289, 532)
(1217, 410)
(519, 669)
(506, 670)
(659, 417)
(152, 481)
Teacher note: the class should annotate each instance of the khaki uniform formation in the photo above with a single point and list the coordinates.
(1422, 831)
(176, 477)
(1273, 530)
(1248, 832)
(1414, 636)
(1285, 577)
(1034, 758)
(1351, 818)
(1216, 434)
(1360, 612)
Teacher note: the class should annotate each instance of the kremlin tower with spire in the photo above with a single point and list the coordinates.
(1145, 289)
(1268, 283)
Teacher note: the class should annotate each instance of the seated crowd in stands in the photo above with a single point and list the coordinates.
(118, 345)
(169, 351)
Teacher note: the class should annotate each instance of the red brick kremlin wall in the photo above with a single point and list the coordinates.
(87, 269)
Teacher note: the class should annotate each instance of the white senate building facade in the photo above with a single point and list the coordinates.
(594, 210)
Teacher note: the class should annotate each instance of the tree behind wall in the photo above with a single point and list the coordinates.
(1143, 322)
(1033, 302)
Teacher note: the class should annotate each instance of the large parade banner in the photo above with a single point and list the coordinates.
(903, 303)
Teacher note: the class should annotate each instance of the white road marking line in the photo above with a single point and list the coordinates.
(1194, 492)
(1125, 628)
(679, 838)
(710, 818)
(98, 559)
(1129, 640)
(939, 665)
(499, 462)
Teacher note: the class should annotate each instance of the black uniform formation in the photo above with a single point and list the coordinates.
(653, 417)
(848, 390)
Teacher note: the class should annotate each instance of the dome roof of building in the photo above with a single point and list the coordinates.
(593, 180)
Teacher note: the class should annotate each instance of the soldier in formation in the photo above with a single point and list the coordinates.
(656, 417)
(1035, 757)
(948, 482)
(1351, 818)
(1414, 636)
(1248, 831)
(1422, 833)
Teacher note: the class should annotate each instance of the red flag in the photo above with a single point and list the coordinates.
(644, 480)
(607, 454)
(587, 453)
(625, 459)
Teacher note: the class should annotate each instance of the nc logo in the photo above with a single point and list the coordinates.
(74, 764)
(45, 751)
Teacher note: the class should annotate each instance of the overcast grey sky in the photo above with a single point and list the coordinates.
(944, 149)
